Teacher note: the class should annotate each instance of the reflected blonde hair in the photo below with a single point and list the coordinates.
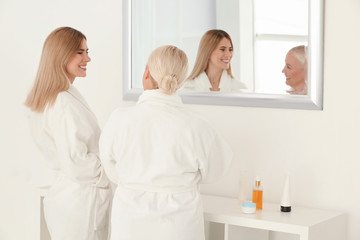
(300, 53)
(51, 78)
(208, 44)
(168, 66)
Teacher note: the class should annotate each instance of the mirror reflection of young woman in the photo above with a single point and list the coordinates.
(212, 69)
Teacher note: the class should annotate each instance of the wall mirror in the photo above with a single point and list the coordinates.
(262, 32)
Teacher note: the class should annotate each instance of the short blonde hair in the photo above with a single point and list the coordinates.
(208, 44)
(51, 77)
(300, 53)
(168, 66)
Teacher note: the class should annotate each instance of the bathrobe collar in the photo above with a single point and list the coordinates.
(156, 96)
(76, 94)
(225, 81)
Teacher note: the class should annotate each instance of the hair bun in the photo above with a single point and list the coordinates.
(170, 78)
(169, 83)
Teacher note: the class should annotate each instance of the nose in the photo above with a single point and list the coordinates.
(87, 58)
(228, 53)
(283, 70)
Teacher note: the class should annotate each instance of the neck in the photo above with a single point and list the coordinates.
(299, 87)
(214, 74)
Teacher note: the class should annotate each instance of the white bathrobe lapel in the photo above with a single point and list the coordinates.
(76, 94)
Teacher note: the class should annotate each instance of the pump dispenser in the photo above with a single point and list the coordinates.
(257, 196)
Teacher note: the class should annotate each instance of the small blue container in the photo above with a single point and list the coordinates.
(248, 207)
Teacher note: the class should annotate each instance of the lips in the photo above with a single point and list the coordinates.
(83, 67)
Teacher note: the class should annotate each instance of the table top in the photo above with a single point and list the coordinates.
(228, 210)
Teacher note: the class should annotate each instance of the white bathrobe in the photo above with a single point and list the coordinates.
(202, 84)
(76, 206)
(158, 152)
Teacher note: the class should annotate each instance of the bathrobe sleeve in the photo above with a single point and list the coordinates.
(106, 145)
(217, 162)
(76, 136)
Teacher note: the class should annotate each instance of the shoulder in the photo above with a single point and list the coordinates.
(64, 100)
(120, 115)
(197, 122)
(201, 83)
(202, 76)
(67, 105)
(122, 112)
(235, 84)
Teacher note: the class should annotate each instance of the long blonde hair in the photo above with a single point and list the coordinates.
(51, 77)
(207, 45)
(168, 66)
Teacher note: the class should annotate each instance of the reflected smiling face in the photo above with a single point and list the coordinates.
(221, 56)
(76, 67)
(294, 72)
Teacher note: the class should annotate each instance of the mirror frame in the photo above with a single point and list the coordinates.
(312, 101)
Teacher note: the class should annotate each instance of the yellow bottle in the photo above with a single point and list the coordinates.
(257, 196)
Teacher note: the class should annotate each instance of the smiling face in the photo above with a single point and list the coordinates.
(221, 56)
(294, 72)
(76, 67)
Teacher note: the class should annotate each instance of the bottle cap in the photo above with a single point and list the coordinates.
(285, 209)
(257, 182)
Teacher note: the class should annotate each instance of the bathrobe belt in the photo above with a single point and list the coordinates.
(158, 189)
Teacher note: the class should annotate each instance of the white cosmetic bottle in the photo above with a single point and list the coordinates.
(285, 205)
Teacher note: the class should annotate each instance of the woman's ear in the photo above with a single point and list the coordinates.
(148, 82)
(146, 79)
(146, 73)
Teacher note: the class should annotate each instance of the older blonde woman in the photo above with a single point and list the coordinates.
(65, 129)
(212, 69)
(295, 70)
(158, 153)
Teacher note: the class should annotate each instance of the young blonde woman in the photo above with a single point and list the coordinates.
(158, 153)
(76, 206)
(212, 69)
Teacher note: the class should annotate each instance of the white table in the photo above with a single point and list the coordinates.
(306, 223)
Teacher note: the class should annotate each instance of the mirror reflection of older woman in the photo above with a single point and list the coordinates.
(295, 70)
(212, 69)
(158, 152)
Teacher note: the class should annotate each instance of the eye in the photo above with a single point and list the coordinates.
(80, 52)
(231, 49)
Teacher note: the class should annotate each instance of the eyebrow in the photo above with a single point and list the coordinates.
(81, 49)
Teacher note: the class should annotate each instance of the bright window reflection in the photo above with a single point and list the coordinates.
(273, 37)
(281, 17)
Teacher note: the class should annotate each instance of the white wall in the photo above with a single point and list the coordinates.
(24, 26)
(318, 148)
